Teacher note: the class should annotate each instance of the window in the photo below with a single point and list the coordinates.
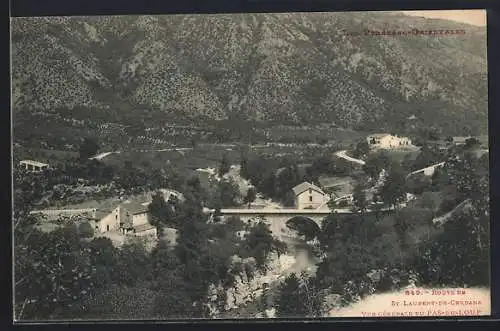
(116, 217)
(310, 191)
(107, 227)
(310, 198)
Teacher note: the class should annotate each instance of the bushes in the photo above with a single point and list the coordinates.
(85, 230)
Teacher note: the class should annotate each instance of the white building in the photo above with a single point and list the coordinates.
(33, 165)
(128, 218)
(387, 141)
(309, 196)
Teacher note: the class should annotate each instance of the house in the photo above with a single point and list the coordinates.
(108, 219)
(34, 166)
(128, 218)
(137, 220)
(387, 141)
(460, 140)
(309, 196)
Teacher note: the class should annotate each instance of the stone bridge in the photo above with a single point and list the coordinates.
(277, 218)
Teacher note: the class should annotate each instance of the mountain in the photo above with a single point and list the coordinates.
(298, 68)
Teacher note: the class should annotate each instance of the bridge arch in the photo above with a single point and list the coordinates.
(304, 226)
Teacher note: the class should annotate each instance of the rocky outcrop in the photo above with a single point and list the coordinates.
(249, 282)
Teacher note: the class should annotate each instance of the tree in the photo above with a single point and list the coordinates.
(472, 143)
(286, 180)
(86, 230)
(169, 285)
(361, 149)
(288, 305)
(359, 199)
(116, 301)
(455, 257)
(289, 199)
(104, 258)
(161, 211)
(224, 166)
(259, 243)
(244, 171)
(227, 194)
(133, 260)
(418, 183)
(427, 156)
(460, 255)
(440, 179)
(251, 195)
(375, 164)
(401, 227)
(88, 148)
(392, 191)
(193, 252)
(298, 297)
(58, 274)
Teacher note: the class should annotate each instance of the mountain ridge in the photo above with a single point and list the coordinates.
(296, 68)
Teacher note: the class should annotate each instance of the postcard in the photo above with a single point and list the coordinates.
(252, 165)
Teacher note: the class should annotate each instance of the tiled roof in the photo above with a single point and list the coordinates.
(305, 186)
(135, 207)
(100, 214)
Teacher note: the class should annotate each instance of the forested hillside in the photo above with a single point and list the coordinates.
(298, 68)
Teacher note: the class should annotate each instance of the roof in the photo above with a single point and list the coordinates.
(34, 163)
(101, 213)
(143, 227)
(378, 135)
(135, 207)
(305, 186)
(105, 208)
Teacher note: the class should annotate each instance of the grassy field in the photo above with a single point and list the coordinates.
(312, 133)
(189, 159)
(210, 155)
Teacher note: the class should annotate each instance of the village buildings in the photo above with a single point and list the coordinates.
(34, 166)
(127, 218)
(387, 141)
(309, 196)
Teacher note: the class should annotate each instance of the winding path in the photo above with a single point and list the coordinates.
(342, 154)
(101, 156)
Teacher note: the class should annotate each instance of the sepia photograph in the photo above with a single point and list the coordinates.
(250, 166)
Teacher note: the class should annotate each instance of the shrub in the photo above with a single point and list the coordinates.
(85, 230)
